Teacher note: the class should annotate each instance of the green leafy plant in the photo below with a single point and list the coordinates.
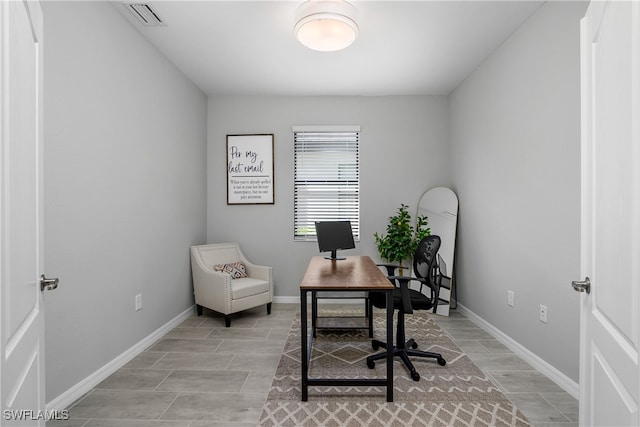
(401, 240)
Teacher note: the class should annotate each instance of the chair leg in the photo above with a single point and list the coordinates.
(198, 310)
(407, 362)
(227, 320)
(378, 344)
(420, 353)
(403, 350)
(268, 308)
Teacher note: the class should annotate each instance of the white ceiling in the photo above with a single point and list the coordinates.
(404, 48)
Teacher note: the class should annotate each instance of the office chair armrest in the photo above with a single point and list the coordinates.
(409, 279)
(404, 290)
(391, 268)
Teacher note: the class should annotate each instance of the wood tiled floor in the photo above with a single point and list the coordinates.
(203, 374)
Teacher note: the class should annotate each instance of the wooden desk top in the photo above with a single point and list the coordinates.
(357, 273)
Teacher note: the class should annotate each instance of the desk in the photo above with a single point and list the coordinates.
(356, 273)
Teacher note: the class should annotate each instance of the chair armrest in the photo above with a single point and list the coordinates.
(408, 279)
(210, 278)
(261, 272)
(211, 289)
(391, 268)
(256, 271)
(404, 292)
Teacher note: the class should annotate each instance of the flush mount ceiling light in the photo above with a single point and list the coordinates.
(326, 25)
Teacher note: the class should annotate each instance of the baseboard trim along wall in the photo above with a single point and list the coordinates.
(66, 399)
(552, 373)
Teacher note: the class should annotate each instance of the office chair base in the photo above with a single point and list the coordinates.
(404, 354)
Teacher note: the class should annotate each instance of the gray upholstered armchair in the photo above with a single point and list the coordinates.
(226, 282)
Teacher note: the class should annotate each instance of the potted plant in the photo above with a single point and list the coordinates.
(401, 240)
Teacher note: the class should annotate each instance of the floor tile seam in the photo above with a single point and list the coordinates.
(140, 369)
(163, 380)
(123, 390)
(540, 395)
(538, 390)
(484, 353)
(526, 371)
(554, 406)
(184, 393)
(505, 351)
(178, 393)
(526, 412)
(81, 398)
(201, 322)
(246, 380)
(566, 419)
(191, 327)
(157, 361)
(260, 340)
(269, 333)
(209, 334)
(169, 406)
(86, 421)
(495, 382)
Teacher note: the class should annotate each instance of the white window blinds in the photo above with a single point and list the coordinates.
(327, 179)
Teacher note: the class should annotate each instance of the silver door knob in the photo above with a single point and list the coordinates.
(48, 284)
(582, 285)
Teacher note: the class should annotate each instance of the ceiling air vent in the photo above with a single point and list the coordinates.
(145, 14)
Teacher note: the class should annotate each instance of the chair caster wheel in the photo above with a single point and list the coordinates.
(371, 364)
(375, 345)
(414, 345)
(441, 361)
(415, 376)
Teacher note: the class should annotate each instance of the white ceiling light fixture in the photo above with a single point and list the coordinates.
(326, 25)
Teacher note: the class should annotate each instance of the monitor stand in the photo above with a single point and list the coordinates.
(334, 256)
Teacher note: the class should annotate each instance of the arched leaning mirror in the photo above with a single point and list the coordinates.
(440, 206)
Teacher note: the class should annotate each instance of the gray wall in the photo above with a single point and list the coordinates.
(515, 141)
(402, 153)
(125, 188)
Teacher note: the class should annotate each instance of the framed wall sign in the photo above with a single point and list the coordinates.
(250, 169)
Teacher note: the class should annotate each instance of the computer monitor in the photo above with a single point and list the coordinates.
(333, 236)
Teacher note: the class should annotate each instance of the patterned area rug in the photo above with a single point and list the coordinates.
(458, 394)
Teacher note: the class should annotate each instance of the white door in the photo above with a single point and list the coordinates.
(21, 308)
(610, 258)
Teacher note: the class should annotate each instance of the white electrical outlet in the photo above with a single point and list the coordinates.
(138, 302)
(510, 298)
(543, 313)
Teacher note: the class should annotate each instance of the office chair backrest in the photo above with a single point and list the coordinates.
(425, 257)
(442, 267)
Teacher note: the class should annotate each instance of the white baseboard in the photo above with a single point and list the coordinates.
(66, 399)
(566, 383)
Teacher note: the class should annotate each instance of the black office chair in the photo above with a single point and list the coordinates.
(405, 300)
(444, 281)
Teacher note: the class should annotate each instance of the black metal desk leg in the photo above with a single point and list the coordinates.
(369, 310)
(389, 346)
(314, 311)
(303, 340)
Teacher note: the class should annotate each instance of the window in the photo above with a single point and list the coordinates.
(326, 178)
